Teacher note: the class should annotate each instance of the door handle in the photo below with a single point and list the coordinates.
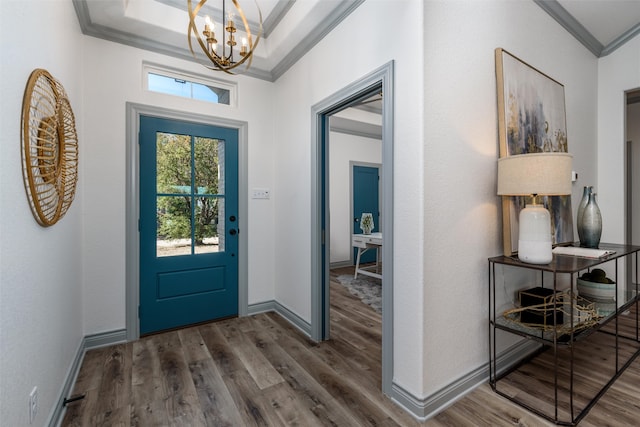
(233, 231)
(356, 219)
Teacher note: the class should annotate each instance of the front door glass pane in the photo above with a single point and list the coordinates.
(173, 173)
(208, 169)
(174, 225)
(209, 225)
(190, 195)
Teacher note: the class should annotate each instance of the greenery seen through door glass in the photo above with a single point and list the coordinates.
(189, 199)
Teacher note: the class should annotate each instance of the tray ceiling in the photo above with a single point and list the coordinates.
(291, 28)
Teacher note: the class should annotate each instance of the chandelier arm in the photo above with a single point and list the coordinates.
(222, 63)
(224, 34)
(249, 56)
(193, 12)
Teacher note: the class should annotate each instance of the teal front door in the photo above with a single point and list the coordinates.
(365, 199)
(188, 223)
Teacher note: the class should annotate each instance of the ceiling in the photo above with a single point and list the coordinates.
(291, 28)
(362, 118)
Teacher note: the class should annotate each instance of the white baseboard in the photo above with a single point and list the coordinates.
(105, 338)
(429, 406)
(340, 264)
(283, 311)
(88, 342)
(261, 307)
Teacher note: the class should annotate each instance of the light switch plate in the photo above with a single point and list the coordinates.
(261, 193)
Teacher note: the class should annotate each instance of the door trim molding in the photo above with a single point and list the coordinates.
(628, 199)
(384, 77)
(132, 211)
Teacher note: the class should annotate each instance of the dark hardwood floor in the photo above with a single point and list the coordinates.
(261, 371)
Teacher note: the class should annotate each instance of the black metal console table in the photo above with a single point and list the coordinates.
(561, 379)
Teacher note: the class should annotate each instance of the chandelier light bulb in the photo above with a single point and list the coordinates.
(208, 24)
(243, 48)
(231, 26)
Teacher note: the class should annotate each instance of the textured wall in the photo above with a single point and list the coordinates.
(462, 212)
(40, 268)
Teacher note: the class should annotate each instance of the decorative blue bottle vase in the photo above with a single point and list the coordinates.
(591, 224)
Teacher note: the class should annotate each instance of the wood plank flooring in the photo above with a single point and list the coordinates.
(261, 371)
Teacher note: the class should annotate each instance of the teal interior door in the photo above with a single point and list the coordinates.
(188, 223)
(365, 199)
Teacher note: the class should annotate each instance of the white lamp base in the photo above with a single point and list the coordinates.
(534, 252)
(534, 243)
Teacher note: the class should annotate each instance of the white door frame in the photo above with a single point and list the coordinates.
(132, 211)
(382, 77)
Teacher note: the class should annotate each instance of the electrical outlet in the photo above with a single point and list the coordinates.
(33, 404)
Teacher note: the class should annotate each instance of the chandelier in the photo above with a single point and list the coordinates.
(222, 54)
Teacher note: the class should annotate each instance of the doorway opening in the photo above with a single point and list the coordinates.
(632, 160)
(632, 174)
(365, 199)
(360, 92)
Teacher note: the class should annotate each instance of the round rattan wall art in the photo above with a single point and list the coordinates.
(49, 148)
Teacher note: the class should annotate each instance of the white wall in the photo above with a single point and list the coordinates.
(462, 212)
(617, 72)
(344, 149)
(113, 77)
(308, 82)
(40, 268)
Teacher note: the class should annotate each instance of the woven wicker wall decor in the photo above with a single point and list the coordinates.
(49, 148)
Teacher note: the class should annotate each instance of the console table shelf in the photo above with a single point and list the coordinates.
(570, 366)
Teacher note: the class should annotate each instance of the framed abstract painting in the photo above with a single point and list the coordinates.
(531, 119)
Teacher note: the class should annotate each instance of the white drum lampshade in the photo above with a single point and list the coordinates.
(537, 174)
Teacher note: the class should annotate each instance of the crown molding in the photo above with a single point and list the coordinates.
(564, 18)
(622, 39)
(569, 23)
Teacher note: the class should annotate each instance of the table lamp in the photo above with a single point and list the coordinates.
(536, 174)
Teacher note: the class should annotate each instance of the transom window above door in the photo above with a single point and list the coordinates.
(172, 82)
